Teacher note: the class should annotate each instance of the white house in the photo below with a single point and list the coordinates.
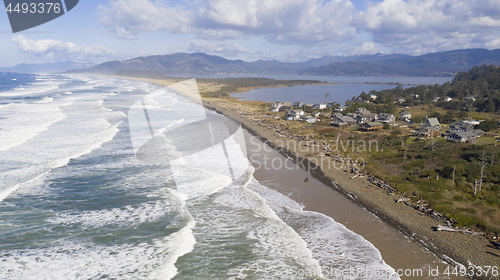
(405, 115)
(341, 108)
(294, 114)
(386, 118)
(320, 106)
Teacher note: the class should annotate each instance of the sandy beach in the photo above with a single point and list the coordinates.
(452, 247)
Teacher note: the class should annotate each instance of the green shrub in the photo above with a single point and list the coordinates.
(468, 210)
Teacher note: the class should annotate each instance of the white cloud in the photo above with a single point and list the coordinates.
(127, 18)
(280, 21)
(217, 48)
(58, 49)
(403, 26)
(421, 26)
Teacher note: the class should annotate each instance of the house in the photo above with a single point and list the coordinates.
(436, 99)
(373, 96)
(430, 129)
(297, 104)
(309, 119)
(365, 118)
(315, 114)
(472, 98)
(462, 137)
(461, 126)
(338, 115)
(387, 118)
(320, 106)
(428, 132)
(287, 104)
(448, 99)
(362, 111)
(405, 115)
(324, 115)
(432, 122)
(343, 121)
(294, 114)
(479, 132)
(275, 107)
(401, 100)
(341, 108)
(414, 96)
(352, 115)
(371, 126)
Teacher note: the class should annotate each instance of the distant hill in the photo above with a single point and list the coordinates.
(51, 67)
(196, 63)
(435, 64)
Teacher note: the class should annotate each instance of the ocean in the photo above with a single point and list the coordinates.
(94, 186)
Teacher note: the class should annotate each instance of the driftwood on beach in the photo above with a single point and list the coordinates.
(451, 229)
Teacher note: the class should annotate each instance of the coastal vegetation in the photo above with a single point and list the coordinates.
(461, 180)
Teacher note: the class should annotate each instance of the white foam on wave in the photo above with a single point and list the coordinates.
(62, 131)
(21, 122)
(236, 217)
(73, 259)
(126, 216)
(33, 89)
(336, 248)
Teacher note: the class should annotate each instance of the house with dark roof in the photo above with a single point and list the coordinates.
(343, 121)
(461, 126)
(405, 115)
(371, 126)
(294, 114)
(462, 137)
(366, 118)
(338, 115)
(386, 118)
(362, 111)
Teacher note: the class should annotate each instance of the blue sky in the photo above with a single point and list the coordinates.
(286, 30)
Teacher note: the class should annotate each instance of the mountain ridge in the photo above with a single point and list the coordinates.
(49, 67)
(433, 64)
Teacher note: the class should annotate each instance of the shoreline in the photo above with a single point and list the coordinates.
(450, 247)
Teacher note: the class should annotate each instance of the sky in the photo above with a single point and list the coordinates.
(285, 30)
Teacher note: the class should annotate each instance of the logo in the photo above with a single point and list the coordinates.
(204, 150)
(25, 14)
